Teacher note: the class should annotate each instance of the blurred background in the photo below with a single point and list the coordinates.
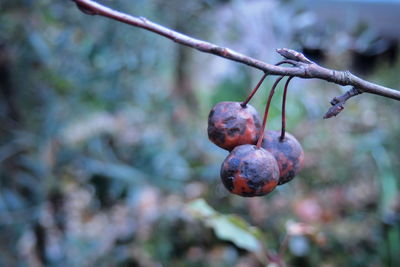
(104, 155)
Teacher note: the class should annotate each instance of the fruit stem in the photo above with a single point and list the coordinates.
(282, 137)
(271, 93)
(244, 103)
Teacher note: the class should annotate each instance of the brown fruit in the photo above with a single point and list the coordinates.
(288, 153)
(249, 171)
(231, 125)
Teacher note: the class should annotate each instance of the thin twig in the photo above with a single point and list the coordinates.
(304, 68)
(293, 55)
(339, 101)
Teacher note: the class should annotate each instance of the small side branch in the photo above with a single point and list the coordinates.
(339, 101)
(302, 66)
(293, 55)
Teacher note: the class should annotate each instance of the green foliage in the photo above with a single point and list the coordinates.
(228, 227)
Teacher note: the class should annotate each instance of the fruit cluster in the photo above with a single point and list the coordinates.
(259, 160)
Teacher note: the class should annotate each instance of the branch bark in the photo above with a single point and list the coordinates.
(302, 66)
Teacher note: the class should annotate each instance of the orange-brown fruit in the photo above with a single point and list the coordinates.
(287, 152)
(249, 171)
(231, 125)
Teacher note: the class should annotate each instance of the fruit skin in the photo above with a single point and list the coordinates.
(249, 171)
(231, 125)
(288, 153)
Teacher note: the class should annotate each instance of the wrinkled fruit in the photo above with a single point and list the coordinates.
(288, 153)
(231, 125)
(250, 171)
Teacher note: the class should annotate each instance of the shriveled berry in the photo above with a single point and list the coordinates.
(287, 152)
(249, 171)
(231, 125)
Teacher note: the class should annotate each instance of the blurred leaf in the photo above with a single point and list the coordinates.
(200, 208)
(227, 227)
(231, 228)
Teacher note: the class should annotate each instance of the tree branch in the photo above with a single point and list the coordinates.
(302, 66)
